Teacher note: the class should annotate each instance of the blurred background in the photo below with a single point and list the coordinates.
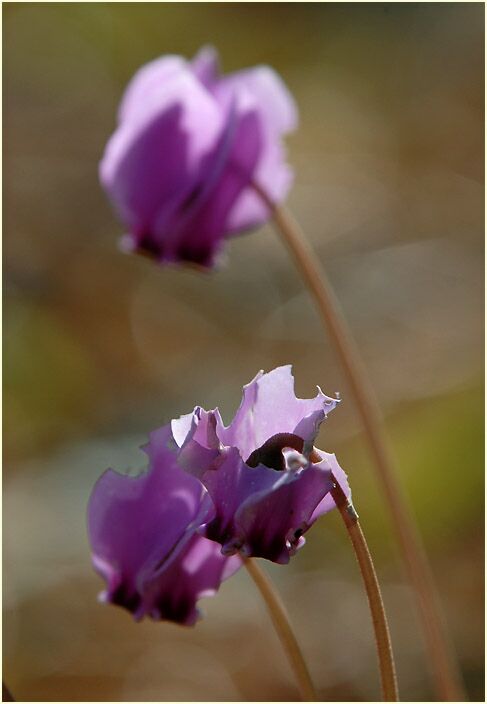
(101, 347)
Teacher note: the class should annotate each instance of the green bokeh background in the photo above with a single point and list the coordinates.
(100, 348)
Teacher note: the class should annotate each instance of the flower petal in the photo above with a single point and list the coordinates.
(205, 66)
(230, 484)
(262, 512)
(196, 572)
(147, 83)
(143, 533)
(279, 115)
(200, 425)
(151, 164)
(274, 521)
(189, 145)
(201, 232)
(199, 447)
(329, 461)
(269, 406)
(276, 104)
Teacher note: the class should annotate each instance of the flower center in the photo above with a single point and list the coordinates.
(270, 453)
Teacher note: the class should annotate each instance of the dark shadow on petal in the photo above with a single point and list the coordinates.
(217, 531)
(178, 610)
(125, 597)
(148, 247)
(270, 453)
(274, 550)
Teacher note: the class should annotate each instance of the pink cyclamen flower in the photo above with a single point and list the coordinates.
(188, 146)
(267, 482)
(145, 543)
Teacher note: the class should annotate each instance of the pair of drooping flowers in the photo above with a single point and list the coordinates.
(183, 169)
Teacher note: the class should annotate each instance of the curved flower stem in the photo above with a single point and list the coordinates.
(381, 629)
(280, 619)
(443, 664)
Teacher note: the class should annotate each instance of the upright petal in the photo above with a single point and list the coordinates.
(201, 449)
(147, 83)
(276, 104)
(199, 233)
(154, 160)
(269, 406)
(182, 426)
(279, 115)
(143, 532)
(205, 66)
(275, 177)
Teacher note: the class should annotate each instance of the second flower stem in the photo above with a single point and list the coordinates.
(280, 619)
(379, 620)
(443, 664)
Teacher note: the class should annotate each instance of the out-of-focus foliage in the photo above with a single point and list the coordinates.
(99, 348)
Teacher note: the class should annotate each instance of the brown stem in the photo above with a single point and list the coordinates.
(441, 658)
(379, 620)
(280, 619)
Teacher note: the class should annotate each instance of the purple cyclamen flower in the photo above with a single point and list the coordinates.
(144, 536)
(267, 481)
(188, 145)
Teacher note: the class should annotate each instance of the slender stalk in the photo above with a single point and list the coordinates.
(280, 619)
(379, 620)
(441, 659)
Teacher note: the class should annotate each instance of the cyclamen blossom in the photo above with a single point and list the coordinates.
(189, 144)
(144, 536)
(211, 495)
(267, 482)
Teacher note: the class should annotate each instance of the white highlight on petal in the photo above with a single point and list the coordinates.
(293, 459)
